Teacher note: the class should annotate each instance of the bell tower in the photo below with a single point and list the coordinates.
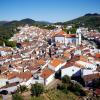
(78, 32)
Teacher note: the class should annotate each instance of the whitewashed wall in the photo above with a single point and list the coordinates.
(70, 71)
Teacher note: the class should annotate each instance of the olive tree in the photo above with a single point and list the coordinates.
(37, 89)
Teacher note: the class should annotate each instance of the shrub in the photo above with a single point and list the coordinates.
(66, 79)
(37, 89)
(63, 88)
(77, 89)
(10, 43)
(23, 88)
(17, 97)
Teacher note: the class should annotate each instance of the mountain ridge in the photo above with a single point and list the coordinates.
(89, 20)
(24, 21)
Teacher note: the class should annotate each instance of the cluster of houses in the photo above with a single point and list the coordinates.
(93, 36)
(44, 55)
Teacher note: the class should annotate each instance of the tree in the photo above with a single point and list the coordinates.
(66, 79)
(26, 40)
(23, 88)
(77, 89)
(1, 42)
(49, 27)
(10, 43)
(96, 83)
(67, 31)
(73, 30)
(37, 89)
(17, 97)
(63, 88)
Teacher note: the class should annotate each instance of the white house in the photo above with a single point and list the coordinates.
(3, 53)
(65, 38)
(88, 72)
(56, 64)
(70, 71)
(78, 52)
(47, 76)
(86, 65)
(15, 79)
(3, 82)
(10, 87)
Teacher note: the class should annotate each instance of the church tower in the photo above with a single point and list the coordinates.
(78, 32)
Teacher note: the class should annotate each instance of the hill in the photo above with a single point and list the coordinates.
(7, 29)
(3, 22)
(25, 21)
(89, 20)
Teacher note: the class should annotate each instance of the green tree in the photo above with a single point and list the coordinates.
(10, 43)
(96, 83)
(66, 79)
(26, 40)
(1, 42)
(67, 31)
(50, 27)
(77, 89)
(63, 88)
(17, 97)
(22, 88)
(37, 89)
(73, 30)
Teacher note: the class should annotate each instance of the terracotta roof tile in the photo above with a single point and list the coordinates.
(22, 75)
(91, 77)
(41, 62)
(46, 73)
(83, 58)
(62, 33)
(55, 62)
(97, 55)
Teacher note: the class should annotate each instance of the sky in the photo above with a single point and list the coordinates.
(47, 10)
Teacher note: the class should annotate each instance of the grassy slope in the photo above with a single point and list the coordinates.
(58, 95)
(37, 98)
(54, 95)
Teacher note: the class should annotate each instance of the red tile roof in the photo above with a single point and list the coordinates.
(22, 75)
(62, 33)
(55, 62)
(83, 58)
(91, 77)
(46, 73)
(25, 75)
(97, 55)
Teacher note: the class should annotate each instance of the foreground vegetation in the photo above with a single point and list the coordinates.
(56, 94)
(53, 94)
(67, 90)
